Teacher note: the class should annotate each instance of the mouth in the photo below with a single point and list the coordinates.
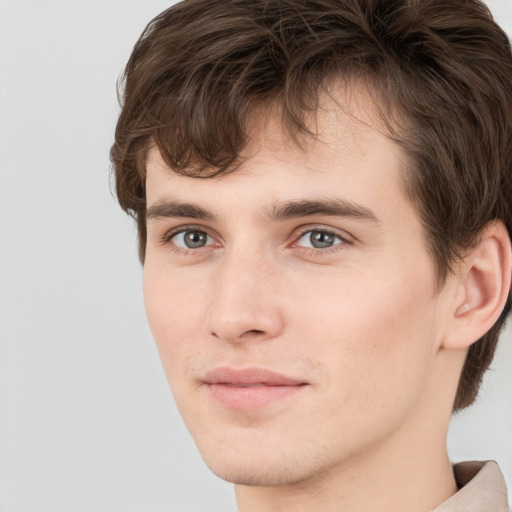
(250, 388)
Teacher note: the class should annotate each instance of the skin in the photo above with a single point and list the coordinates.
(359, 321)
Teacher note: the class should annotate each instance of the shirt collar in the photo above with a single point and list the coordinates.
(482, 489)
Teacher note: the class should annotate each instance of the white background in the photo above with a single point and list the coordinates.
(86, 420)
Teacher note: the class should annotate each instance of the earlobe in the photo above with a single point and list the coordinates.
(484, 279)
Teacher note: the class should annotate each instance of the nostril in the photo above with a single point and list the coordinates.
(252, 333)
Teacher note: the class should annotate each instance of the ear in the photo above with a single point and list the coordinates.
(482, 287)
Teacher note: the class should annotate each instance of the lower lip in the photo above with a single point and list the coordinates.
(254, 397)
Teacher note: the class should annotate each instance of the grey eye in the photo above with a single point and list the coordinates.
(192, 239)
(318, 239)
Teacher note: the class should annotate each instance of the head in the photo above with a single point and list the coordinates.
(218, 90)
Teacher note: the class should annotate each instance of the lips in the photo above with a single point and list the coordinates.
(249, 377)
(250, 388)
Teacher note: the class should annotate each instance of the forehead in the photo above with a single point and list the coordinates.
(347, 152)
(346, 115)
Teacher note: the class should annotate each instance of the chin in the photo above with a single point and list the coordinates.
(259, 474)
(261, 462)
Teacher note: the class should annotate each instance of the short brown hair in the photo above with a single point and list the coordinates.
(442, 65)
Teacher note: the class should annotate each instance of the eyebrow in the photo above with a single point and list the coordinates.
(177, 209)
(327, 207)
(279, 211)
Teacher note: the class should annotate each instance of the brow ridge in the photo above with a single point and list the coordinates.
(163, 209)
(280, 211)
(329, 207)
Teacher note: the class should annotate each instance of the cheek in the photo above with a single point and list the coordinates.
(375, 337)
(174, 310)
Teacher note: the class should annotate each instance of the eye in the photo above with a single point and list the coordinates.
(191, 239)
(319, 239)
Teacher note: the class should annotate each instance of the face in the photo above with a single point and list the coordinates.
(293, 301)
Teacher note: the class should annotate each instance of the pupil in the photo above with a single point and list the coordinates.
(195, 239)
(321, 240)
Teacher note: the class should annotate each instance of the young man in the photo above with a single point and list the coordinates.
(323, 193)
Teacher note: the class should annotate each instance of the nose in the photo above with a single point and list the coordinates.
(245, 303)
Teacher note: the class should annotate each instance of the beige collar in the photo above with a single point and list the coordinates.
(482, 489)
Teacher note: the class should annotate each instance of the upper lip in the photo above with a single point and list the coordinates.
(249, 377)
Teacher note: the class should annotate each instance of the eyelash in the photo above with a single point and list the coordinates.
(166, 240)
(326, 231)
